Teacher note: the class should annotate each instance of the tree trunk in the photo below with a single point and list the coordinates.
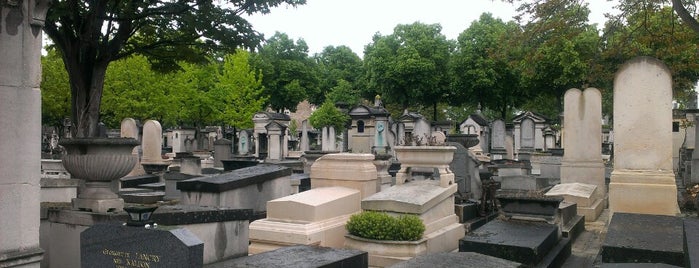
(686, 17)
(87, 82)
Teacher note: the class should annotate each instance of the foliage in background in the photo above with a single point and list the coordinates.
(340, 70)
(55, 89)
(381, 226)
(238, 92)
(328, 115)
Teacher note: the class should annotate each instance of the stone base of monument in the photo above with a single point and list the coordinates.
(224, 231)
(299, 256)
(171, 179)
(639, 238)
(526, 242)
(460, 259)
(58, 190)
(143, 198)
(643, 192)
(313, 217)
(356, 171)
(571, 223)
(428, 200)
(98, 205)
(581, 194)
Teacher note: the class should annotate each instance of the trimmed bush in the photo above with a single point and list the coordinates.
(381, 226)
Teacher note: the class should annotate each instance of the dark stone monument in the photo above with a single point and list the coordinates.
(232, 180)
(457, 259)
(644, 238)
(109, 245)
(300, 256)
(691, 242)
(233, 164)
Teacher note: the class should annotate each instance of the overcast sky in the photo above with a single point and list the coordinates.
(352, 23)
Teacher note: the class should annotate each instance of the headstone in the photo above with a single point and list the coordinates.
(527, 136)
(152, 142)
(643, 180)
(457, 259)
(695, 153)
(583, 195)
(582, 128)
(465, 169)
(129, 129)
(222, 150)
(105, 245)
(328, 139)
(498, 140)
(244, 142)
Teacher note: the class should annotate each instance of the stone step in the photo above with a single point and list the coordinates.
(644, 238)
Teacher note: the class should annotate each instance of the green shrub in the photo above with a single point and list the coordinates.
(381, 226)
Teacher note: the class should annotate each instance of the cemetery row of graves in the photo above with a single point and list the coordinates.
(389, 191)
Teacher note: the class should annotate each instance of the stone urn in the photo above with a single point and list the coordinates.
(436, 157)
(467, 140)
(99, 161)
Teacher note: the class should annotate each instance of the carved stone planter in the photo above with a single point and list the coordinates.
(99, 161)
(438, 157)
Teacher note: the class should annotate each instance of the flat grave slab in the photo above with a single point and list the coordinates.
(691, 242)
(413, 197)
(300, 256)
(520, 241)
(236, 179)
(643, 238)
(457, 259)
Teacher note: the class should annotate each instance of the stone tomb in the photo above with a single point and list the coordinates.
(314, 217)
(581, 194)
(638, 238)
(106, 245)
(457, 259)
(300, 256)
(249, 187)
(428, 200)
(355, 171)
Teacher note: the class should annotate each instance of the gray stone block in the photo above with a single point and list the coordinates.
(300, 256)
(457, 259)
(644, 238)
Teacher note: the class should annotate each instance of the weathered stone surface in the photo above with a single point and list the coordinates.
(319, 204)
(355, 171)
(300, 256)
(135, 181)
(639, 238)
(415, 197)
(233, 164)
(691, 242)
(579, 193)
(105, 245)
(520, 241)
(513, 205)
(457, 259)
(232, 180)
(643, 180)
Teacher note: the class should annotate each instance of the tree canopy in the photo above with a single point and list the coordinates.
(91, 34)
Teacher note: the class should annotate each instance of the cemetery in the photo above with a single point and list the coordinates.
(388, 190)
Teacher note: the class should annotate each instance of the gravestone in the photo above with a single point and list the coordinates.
(695, 154)
(527, 136)
(305, 143)
(244, 142)
(639, 238)
(109, 245)
(222, 150)
(152, 142)
(457, 259)
(129, 129)
(582, 194)
(356, 171)
(464, 165)
(300, 256)
(582, 130)
(497, 149)
(643, 180)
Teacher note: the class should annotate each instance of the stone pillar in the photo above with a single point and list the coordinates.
(497, 148)
(304, 136)
(643, 180)
(582, 139)
(20, 113)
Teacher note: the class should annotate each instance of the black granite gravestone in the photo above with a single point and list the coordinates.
(109, 245)
(457, 259)
(300, 256)
(232, 180)
(640, 238)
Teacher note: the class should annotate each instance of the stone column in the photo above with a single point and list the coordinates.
(20, 113)
(129, 129)
(304, 136)
(695, 153)
(222, 150)
(643, 180)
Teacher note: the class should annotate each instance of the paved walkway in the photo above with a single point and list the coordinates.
(586, 248)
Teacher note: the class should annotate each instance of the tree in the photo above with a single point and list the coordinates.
(652, 29)
(239, 91)
(344, 92)
(484, 66)
(338, 67)
(55, 89)
(409, 67)
(327, 115)
(133, 89)
(560, 48)
(92, 34)
(288, 74)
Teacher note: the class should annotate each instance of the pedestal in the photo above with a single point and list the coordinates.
(643, 192)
